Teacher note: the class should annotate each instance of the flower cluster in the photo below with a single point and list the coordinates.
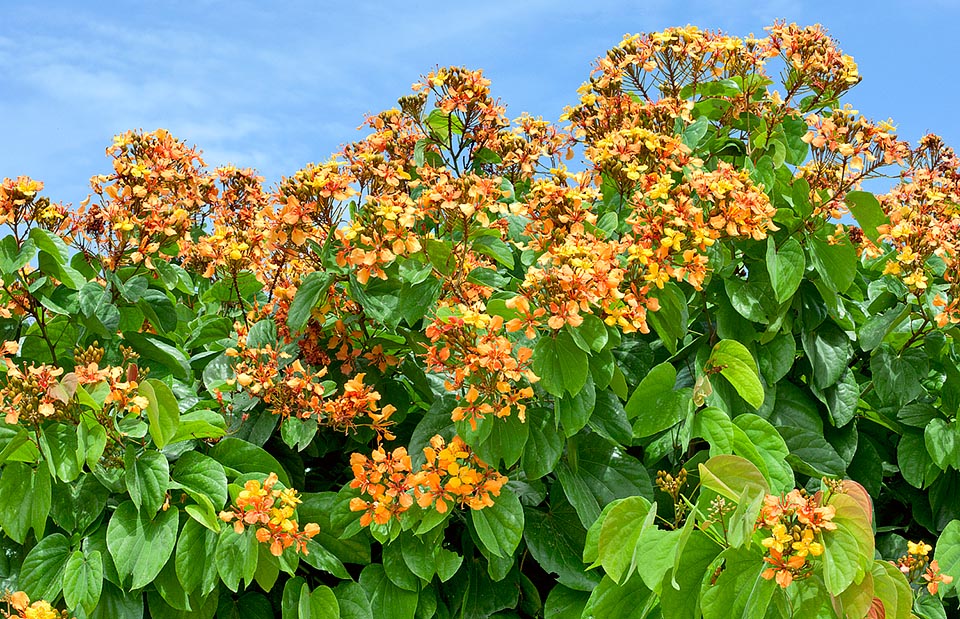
(157, 191)
(920, 570)
(925, 222)
(238, 240)
(452, 474)
(795, 522)
(286, 386)
(480, 364)
(846, 149)
(19, 606)
(21, 203)
(292, 390)
(270, 512)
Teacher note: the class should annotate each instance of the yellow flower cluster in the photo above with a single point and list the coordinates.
(795, 521)
(270, 511)
(19, 607)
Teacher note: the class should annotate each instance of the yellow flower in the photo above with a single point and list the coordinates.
(919, 549)
(41, 610)
(806, 545)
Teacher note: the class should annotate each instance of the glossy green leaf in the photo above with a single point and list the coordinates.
(140, 546)
(866, 209)
(311, 290)
(785, 266)
(736, 364)
(654, 405)
(500, 526)
(162, 411)
(42, 572)
(83, 580)
(560, 364)
(146, 477)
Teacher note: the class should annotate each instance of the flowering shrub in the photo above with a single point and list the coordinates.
(699, 373)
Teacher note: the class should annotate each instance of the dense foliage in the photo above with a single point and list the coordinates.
(444, 375)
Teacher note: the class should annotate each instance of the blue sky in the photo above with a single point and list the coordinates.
(275, 85)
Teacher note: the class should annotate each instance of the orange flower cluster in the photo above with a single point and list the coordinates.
(795, 520)
(36, 393)
(925, 222)
(291, 390)
(20, 203)
(452, 474)
(468, 347)
(238, 239)
(287, 387)
(846, 149)
(156, 193)
(919, 569)
(270, 511)
(19, 607)
(815, 64)
(357, 399)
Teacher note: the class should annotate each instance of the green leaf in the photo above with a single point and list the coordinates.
(544, 445)
(12, 258)
(83, 580)
(565, 603)
(245, 457)
(500, 527)
(494, 247)
(195, 561)
(236, 557)
(163, 411)
(146, 479)
(739, 592)
(631, 600)
(560, 364)
(140, 546)
(506, 442)
(573, 412)
(729, 475)
(670, 320)
(200, 474)
(758, 440)
(578, 493)
(654, 405)
(835, 262)
(840, 559)
(155, 348)
(593, 332)
(159, 310)
(737, 365)
(714, 426)
(115, 604)
(829, 350)
(387, 601)
(917, 467)
(311, 290)
(896, 378)
(396, 568)
(42, 572)
(619, 534)
(353, 601)
(947, 555)
(811, 454)
(695, 556)
(892, 589)
(199, 425)
(33, 491)
(785, 266)
(61, 448)
(866, 209)
(942, 440)
(556, 539)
